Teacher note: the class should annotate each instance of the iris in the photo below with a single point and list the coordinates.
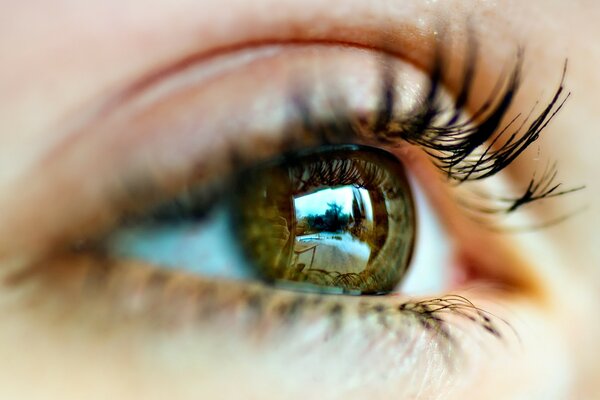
(336, 219)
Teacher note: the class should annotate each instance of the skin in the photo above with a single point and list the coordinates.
(64, 62)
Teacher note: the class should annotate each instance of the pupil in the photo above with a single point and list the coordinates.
(337, 219)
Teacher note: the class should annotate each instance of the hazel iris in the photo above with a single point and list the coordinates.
(337, 219)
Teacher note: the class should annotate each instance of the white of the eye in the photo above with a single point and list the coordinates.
(206, 249)
(429, 269)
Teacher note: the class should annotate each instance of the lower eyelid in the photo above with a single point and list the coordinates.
(173, 324)
(410, 342)
(117, 295)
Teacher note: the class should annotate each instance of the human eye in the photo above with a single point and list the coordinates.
(270, 192)
(337, 218)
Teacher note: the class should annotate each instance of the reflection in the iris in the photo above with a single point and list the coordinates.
(333, 230)
(334, 234)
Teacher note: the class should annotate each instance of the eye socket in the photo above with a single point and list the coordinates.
(337, 219)
(232, 236)
(376, 101)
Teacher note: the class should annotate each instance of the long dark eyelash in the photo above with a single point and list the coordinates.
(456, 145)
(430, 315)
(538, 188)
(465, 150)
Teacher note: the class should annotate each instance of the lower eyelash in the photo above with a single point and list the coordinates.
(271, 312)
(168, 300)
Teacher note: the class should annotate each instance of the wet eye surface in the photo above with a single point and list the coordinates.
(333, 219)
(336, 219)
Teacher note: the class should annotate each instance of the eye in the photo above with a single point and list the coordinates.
(309, 199)
(336, 219)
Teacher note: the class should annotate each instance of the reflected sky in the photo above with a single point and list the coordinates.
(317, 202)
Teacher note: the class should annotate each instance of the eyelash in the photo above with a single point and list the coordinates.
(458, 149)
(267, 306)
(336, 172)
(206, 301)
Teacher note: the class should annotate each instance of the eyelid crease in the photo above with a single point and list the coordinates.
(387, 46)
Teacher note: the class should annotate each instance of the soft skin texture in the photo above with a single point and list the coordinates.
(61, 145)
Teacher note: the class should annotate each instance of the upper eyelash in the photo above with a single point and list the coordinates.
(463, 150)
(454, 145)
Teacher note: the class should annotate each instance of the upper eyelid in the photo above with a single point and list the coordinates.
(80, 155)
(105, 107)
(391, 47)
(396, 30)
(82, 136)
(121, 100)
(405, 32)
(418, 51)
